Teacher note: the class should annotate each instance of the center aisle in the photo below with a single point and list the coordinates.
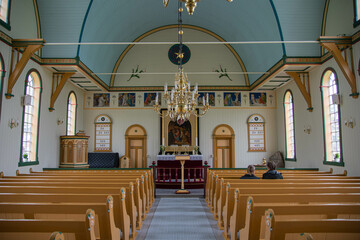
(180, 218)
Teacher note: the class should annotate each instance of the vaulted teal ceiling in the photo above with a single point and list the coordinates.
(124, 21)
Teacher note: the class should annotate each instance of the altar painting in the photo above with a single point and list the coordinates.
(232, 99)
(179, 134)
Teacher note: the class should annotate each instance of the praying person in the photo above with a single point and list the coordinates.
(250, 173)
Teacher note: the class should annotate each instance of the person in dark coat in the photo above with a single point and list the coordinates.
(250, 173)
(272, 173)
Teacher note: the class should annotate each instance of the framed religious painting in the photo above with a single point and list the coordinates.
(258, 99)
(126, 100)
(232, 99)
(178, 136)
(101, 100)
(150, 99)
(205, 94)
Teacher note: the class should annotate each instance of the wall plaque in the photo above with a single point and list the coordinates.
(102, 133)
(256, 133)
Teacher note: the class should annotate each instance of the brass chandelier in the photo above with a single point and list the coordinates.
(181, 101)
(189, 4)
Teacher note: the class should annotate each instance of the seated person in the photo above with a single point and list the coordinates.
(272, 173)
(250, 173)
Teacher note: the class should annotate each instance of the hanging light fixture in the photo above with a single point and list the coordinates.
(181, 101)
(189, 4)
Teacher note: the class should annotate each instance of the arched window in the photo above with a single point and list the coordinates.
(29, 142)
(5, 13)
(289, 126)
(71, 115)
(331, 115)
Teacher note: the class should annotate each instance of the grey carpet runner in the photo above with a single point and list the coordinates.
(181, 219)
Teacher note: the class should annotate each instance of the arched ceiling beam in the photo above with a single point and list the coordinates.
(123, 54)
(279, 26)
(82, 27)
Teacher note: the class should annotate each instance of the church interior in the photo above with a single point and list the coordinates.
(150, 96)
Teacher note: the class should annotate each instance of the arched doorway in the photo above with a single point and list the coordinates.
(223, 147)
(135, 146)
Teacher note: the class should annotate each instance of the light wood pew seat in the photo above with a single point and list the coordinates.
(278, 229)
(105, 224)
(255, 212)
(14, 228)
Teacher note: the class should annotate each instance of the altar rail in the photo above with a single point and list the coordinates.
(170, 177)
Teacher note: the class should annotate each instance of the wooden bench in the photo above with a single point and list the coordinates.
(136, 191)
(277, 229)
(83, 229)
(105, 226)
(127, 208)
(145, 176)
(237, 220)
(255, 212)
(219, 199)
(57, 236)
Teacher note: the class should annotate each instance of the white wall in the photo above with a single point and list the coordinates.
(236, 118)
(49, 131)
(310, 147)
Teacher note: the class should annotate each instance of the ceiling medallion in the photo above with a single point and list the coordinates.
(189, 4)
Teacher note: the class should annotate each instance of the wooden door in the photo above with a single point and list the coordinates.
(135, 146)
(223, 147)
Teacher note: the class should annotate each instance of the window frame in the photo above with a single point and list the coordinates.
(285, 123)
(36, 160)
(7, 23)
(67, 112)
(326, 162)
(2, 77)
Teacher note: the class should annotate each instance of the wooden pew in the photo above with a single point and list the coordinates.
(219, 198)
(145, 176)
(83, 229)
(57, 236)
(255, 211)
(214, 178)
(277, 229)
(135, 191)
(237, 220)
(73, 194)
(104, 212)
